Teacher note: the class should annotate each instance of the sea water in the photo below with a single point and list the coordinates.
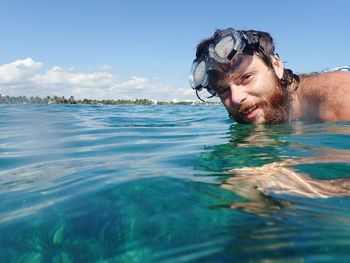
(94, 183)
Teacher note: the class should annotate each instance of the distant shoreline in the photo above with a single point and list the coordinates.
(5, 99)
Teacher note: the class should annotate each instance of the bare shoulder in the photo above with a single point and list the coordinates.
(318, 81)
(326, 96)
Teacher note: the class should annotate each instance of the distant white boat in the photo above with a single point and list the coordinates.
(343, 68)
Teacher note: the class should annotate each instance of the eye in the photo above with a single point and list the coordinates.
(246, 78)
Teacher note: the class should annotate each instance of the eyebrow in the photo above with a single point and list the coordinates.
(242, 66)
(241, 71)
(235, 75)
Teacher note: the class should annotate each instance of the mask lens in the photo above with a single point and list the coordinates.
(224, 47)
(198, 76)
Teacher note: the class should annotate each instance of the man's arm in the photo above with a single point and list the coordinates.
(257, 183)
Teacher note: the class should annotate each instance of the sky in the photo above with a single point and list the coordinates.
(128, 49)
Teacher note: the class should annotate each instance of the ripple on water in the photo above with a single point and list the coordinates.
(142, 183)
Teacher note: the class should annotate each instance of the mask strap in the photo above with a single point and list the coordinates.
(206, 97)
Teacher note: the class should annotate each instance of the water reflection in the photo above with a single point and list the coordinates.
(259, 135)
(246, 146)
(265, 162)
(279, 178)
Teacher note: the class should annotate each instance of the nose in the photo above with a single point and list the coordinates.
(238, 95)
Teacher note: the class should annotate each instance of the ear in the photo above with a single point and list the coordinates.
(277, 66)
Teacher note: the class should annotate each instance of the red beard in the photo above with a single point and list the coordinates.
(275, 107)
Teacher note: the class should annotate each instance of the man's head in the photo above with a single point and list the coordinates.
(241, 67)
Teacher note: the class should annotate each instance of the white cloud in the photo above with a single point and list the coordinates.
(22, 77)
(19, 71)
(105, 67)
(68, 77)
(136, 83)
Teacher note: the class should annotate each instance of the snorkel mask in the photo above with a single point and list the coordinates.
(219, 55)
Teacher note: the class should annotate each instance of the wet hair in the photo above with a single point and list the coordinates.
(264, 49)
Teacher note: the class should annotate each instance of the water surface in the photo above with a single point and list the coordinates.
(144, 184)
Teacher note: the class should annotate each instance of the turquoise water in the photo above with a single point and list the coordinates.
(145, 184)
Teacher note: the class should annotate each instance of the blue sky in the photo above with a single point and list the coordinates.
(144, 49)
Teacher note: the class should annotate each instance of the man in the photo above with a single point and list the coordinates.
(243, 70)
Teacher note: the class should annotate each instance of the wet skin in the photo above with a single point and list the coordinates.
(251, 94)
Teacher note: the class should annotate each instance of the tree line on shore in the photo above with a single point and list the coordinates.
(71, 100)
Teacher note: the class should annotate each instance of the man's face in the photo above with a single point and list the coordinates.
(251, 93)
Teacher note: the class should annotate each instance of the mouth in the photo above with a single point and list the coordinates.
(250, 113)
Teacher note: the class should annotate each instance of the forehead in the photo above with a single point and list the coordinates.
(241, 65)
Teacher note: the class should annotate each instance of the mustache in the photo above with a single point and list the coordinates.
(245, 108)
